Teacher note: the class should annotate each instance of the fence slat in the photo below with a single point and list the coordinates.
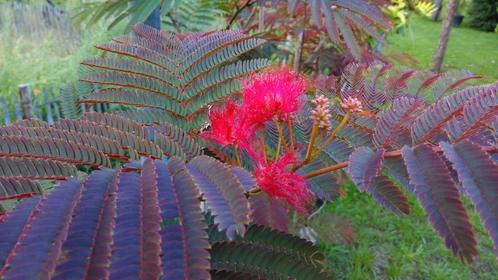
(48, 108)
(36, 110)
(17, 111)
(5, 110)
(55, 104)
(24, 97)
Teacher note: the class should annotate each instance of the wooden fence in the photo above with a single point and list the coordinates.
(45, 106)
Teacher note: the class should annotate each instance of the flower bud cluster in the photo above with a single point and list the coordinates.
(352, 104)
(321, 113)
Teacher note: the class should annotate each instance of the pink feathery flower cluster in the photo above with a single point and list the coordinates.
(274, 179)
(229, 126)
(352, 103)
(266, 96)
(272, 94)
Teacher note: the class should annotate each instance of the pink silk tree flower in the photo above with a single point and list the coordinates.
(274, 179)
(229, 126)
(270, 94)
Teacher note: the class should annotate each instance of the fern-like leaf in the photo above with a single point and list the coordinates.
(298, 248)
(394, 119)
(37, 169)
(183, 229)
(179, 75)
(13, 225)
(89, 223)
(16, 188)
(116, 122)
(261, 261)
(269, 212)
(479, 177)
(109, 147)
(55, 149)
(69, 103)
(386, 193)
(188, 145)
(439, 197)
(223, 192)
(30, 123)
(53, 217)
(364, 166)
(477, 112)
(150, 222)
(130, 142)
(433, 119)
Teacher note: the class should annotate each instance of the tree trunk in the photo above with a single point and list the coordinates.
(154, 19)
(439, 5)
(437, 59)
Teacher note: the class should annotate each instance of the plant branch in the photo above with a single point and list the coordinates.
(174, 22)
(331, 137)
(311, 143)
(253, 191)
(392, 154)
(249, 20)
(237, 12)
(280, 138)
(237, 156)
(261, 17)
(291, 136)
(317, 211)
(263, 145)
(314, 54)
(298, 51)
(18, 196)
(309, 149)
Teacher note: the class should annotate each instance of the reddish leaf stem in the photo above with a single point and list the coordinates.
(280, 138)
(397, 153)
(263, 145)
(18, 196)
(291, 137)
(237, 156)
(334, 133)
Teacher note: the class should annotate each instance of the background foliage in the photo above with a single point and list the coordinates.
(483, 14)
(40, 51)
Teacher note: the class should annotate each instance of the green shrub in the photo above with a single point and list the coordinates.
(42, 50)
(483, 14)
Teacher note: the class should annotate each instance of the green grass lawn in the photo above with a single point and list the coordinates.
(468, 49)
(388, 246)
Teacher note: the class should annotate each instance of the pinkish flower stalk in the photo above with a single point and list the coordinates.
(321, 114)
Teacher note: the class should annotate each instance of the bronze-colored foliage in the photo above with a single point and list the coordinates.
(145, 224)
(179, 76)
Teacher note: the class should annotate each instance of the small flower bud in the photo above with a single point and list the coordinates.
(320, 100)
(352, 103)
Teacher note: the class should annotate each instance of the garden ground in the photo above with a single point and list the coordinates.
(388, 246)
(468, 49)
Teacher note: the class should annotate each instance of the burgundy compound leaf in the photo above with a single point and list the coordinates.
(439, 197)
